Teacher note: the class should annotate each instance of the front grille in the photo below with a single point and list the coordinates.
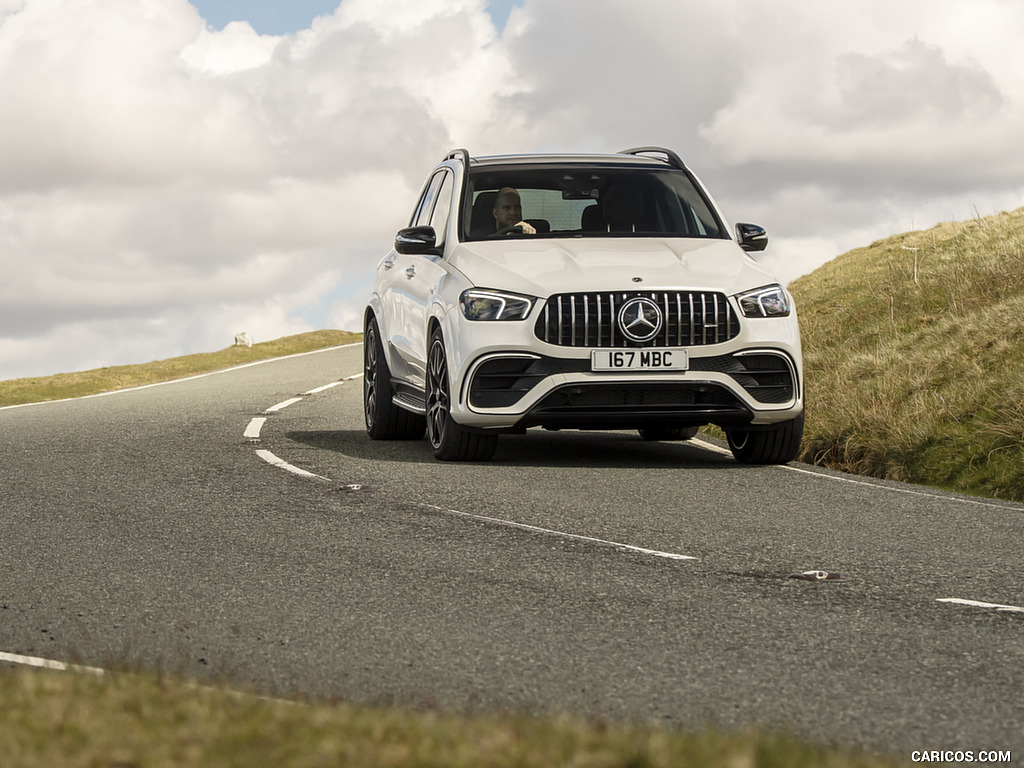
(690, 318)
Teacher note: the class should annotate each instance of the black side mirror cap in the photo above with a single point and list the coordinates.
(415, 241)
(751, 237)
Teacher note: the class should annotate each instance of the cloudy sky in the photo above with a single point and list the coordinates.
(174, 173)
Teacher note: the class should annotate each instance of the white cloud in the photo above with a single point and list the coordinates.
(236, 48)
(165, 186)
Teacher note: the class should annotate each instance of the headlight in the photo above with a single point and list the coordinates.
(772, 301)
(482, 304)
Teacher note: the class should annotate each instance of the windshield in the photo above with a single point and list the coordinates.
(586, 201)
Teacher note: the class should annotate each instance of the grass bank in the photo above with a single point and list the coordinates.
(81, 721)
(914, 358)
(65, 385)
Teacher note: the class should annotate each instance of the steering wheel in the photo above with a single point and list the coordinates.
(516, 229)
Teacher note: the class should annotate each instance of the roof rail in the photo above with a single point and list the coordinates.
(671, 156)
(461, 154)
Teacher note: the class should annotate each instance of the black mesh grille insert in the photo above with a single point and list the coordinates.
(503, 381)
(689, 318)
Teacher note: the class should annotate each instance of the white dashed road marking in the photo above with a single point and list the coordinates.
(333, 384)
(282, 406)
(977, 604)
(559, 534)
(273, 460)
(252, 432)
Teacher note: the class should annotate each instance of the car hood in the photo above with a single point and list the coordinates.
(546, 267)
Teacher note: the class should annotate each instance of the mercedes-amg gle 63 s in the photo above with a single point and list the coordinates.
(579, 292)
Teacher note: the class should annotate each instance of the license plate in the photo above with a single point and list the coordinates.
(639, 360)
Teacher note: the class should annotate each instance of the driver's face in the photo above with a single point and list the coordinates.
(509, 210)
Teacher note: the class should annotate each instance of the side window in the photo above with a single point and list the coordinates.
(443, 206)
(426, 206)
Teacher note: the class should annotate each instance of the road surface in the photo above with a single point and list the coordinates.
(241, 527)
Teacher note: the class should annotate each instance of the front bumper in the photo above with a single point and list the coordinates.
(506, 378)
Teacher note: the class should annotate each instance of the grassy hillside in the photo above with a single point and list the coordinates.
(914, 358)
(65, 385)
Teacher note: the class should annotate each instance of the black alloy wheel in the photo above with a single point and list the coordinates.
(450, 441)
(384, 419)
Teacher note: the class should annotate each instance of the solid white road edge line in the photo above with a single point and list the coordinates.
(908, 491)
(560, 534)
(60, 666)
(877, 486)
(977, 604)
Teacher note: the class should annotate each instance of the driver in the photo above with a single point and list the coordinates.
(508, 212)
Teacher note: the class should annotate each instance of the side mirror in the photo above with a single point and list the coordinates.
(415, 241)
(751, 237)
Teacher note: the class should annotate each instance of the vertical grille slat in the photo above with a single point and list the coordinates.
(692, 328)
(611, 320)
(668, 325)
(703, 318)
(572, 318)
(679, 320)
(692, 318)
(586, 320)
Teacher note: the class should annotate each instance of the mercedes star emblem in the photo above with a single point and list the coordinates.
(640, 319)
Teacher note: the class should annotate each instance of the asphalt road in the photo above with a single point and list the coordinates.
(594, 574)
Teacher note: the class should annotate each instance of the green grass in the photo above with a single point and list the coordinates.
(914, 359)
(65, 385)
(139, 721)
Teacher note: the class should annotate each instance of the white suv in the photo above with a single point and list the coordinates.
(578, 292)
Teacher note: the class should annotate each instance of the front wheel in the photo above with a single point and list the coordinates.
(384, 419)
(450, 441)
(778, 445)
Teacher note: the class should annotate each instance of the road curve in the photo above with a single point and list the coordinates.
(241, 527)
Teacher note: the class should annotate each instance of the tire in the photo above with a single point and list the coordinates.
(384, 419)
(778, 445)
(450, 441)
(665, 433)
